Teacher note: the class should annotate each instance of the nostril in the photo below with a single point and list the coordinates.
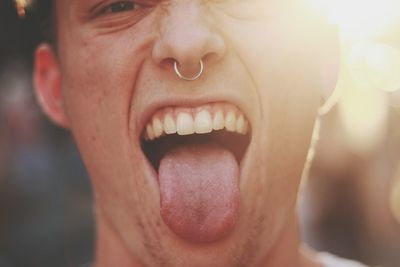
(167, 63)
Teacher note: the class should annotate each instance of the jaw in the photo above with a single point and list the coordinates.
(242, 244)
(250, 242)
(137, 210)
(263, 215)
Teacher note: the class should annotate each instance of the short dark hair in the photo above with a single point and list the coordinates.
(43, 10)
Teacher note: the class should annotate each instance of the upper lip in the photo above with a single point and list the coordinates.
(189, 101)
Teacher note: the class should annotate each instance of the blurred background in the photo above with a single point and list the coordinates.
(351, 201)
(45, 199)
(349, 205)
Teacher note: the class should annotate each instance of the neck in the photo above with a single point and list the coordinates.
(112, 251)
(288, 251)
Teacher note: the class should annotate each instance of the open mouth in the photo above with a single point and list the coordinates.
(219, 123)
(196, 153)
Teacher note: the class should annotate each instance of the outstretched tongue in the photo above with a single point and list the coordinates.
(199, 191)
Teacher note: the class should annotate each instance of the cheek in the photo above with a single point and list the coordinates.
(286, 79)
(287, 84)
(96, 97)
(98, 83)
(99, 76)
(280, 59)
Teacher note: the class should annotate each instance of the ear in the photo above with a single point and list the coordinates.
(324, 41)
(47, 83)
(328, 56)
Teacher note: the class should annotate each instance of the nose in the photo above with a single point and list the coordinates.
(186, 38)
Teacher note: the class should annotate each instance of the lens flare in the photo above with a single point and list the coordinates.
(364, 115)
(370, 69)
(375, 66)
(358, 17)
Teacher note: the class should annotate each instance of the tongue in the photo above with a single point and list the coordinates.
(199, 191)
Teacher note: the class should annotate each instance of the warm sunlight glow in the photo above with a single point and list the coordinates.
(370, 74)
(375, 66)
(358, 17)
(364, 114)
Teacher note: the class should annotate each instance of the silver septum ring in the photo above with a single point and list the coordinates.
(188, 78)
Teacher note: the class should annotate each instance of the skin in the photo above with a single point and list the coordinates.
(111, 71)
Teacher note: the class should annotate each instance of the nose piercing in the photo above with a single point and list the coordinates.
(188, 78)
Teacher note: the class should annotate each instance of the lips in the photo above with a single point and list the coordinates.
(196, 152)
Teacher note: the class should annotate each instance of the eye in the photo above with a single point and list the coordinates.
(117, 7)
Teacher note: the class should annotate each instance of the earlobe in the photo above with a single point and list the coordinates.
(47, 83)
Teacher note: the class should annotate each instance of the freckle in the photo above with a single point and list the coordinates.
(93, 138)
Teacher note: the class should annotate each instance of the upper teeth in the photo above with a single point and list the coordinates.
(199, 120)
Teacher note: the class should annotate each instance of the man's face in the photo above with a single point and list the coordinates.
(220, 198)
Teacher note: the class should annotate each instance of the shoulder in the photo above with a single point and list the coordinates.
(329, 260)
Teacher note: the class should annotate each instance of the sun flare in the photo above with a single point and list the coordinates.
(370, 72)
(359, 17)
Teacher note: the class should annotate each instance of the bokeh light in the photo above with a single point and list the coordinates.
(375, 66)
(359, 18)
(370, 74)
(369, 81)
(364, 115)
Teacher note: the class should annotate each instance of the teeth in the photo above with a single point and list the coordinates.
(230, 121)
(240, 124)
(203, 122)
(245, 128)
(184, 124)
(157, 127)
(169, 125)
(218, 121)
(150, 132)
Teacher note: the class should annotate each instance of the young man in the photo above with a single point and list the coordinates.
(194, 119)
